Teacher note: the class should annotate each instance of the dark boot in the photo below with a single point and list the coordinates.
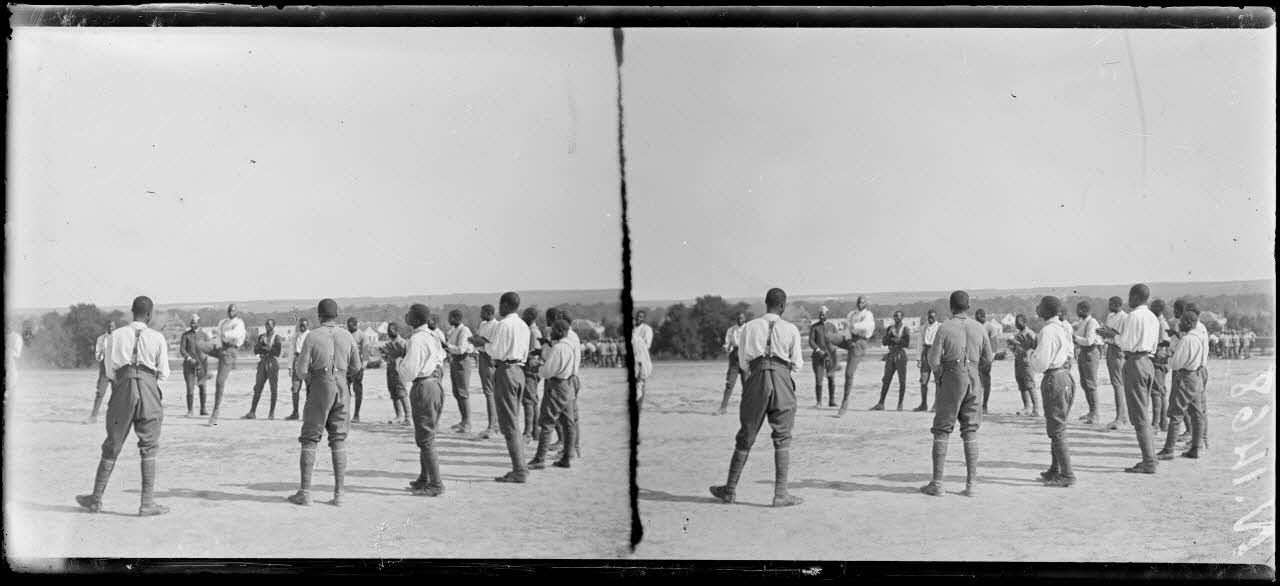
(435, 485)
(339, 452)
(781, 463)
(1146, 445)
(571, 439)
(93, 502)
(934, 488)
(728, 491)
(149, 507)
(971, 466)
(424, 477)
(1171, 439)
(902, 393)
(831, 391)
(204, 394)
(1063, 452)
(306, 463)
(924, 399)
(293, 416)
(191, 399)
(355, 417)
(272, 413)
(519, 470)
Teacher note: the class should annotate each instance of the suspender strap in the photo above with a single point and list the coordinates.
(137, 343)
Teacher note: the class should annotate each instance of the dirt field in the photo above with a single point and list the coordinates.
(227, 485)
(860, 475)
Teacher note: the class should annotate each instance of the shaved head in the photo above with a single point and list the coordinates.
(775, 300)
(959, 302)
(327, 309)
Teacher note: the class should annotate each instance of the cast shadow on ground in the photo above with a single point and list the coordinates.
(666, 497)
(1041, 467)
(73, 509)
(922, 477)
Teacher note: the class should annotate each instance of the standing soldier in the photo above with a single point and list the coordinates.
(423, 365)
(770, 351)
(1138, 340)
(1179, 308)
(392, 352)
(297, 376)
(862, 325)
(576, 343)
(984, 372)
(195, 367)
(607, 352)
(590, 353)
(961, 348)
(231, 334)
(1022, 344)
(641, 339)
(897, 338)
(927, 337)
(267, 348)
(824, 357)
(733, 337)
(137, 360)
(355, 378)
(1088, 351)
(328, 354)
(1115, 359)
(459, 352)
(1160, 363)
(100, 350)
(532, 362)
(1051, 357)
(1186, 401)
(509, 348)
(557, 401)
(484, 333)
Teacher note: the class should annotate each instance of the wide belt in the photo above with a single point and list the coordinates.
(134, 368)
(1128, 355)
(329, 370)
(762, 361)
(433, 375)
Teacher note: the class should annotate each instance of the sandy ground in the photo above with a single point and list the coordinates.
(859, 476)
(227, 485)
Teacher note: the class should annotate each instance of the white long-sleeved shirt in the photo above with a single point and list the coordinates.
(930, 332)
(641, 340)
(572, 338)
(298, 339)
(423, 355)
(1141, 332)
(1086, 333)
(231, 331)
(786, 341)
(733, 337)
(153, 350)
(1191, 350)
(1115, 321)
(559, 362)
(100, 347)
(459, 341)
(509, 339)
(485, 330)
(1053, 346)
(862, 323)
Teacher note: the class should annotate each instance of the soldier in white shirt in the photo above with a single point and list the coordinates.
(458, 345)
(641, 340)
(1089, 347)
(509, 348)
(1138, 340)
(532, 364)
(770, 351)
(1051, 358)
(231, 335)
(1115, 359)
(862, 325)
(1178, 418)
(296, 375)
(1190, 355)
(137, 360)
(557, 406)
(735, 372)
(100, 355)
(422, 366)
(928, 333)
(484, 361)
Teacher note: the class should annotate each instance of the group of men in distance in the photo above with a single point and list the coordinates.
(768, 351)
(604, 353)
(1232, 344)
(515, 356)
